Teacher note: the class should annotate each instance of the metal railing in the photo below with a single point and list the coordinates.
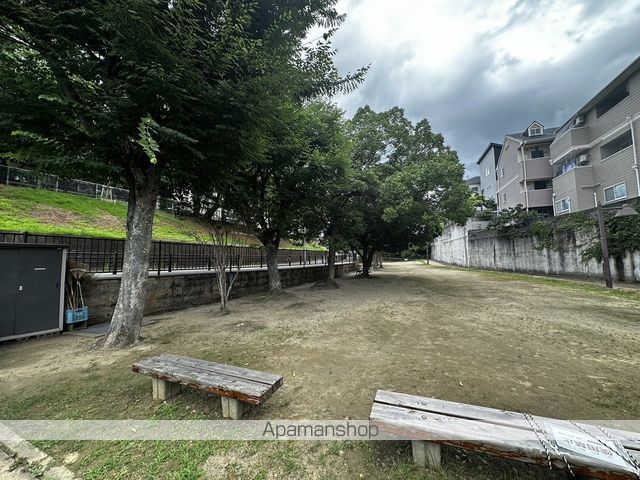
(21, 177)
(106, 255)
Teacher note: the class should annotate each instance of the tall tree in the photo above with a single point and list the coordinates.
(271, 196)
(410, 182)
(326, 213)
(157, 93)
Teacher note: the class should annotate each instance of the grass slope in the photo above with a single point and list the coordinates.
(45, 212)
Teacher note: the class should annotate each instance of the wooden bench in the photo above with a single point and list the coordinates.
(239, 388)
(428, 423)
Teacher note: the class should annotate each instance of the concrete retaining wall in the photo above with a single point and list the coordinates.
(184, 289)
(464, 246)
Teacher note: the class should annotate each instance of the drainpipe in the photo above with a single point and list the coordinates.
(553, 201)
(635, 155)
(595, 197)
(524, 169)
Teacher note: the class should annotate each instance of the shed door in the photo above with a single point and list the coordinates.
(9, 275)
(38, 305)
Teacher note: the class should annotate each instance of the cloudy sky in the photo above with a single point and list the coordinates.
(479, 69)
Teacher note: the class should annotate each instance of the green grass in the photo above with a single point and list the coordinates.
(627, 293)
(45, 212)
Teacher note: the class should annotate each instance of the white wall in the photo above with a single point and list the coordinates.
(486, 250)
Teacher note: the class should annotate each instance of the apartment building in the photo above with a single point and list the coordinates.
(474, 184)
(524, 171)
(487, 166)
(594, 156)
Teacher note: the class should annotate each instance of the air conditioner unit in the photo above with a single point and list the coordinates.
(583, 159)
(578, 121)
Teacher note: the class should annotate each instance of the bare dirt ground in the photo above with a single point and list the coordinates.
(447, 333)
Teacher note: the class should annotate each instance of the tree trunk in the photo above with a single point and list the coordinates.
(367, 259)
(275, 286)
(223, 288)
(127, 315)
(331, 265)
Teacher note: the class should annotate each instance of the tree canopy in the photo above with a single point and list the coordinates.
(409, 181)
(174, 96)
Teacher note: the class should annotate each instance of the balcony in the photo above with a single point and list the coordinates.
(574, 140)
(577, 185)
(537, 169)
(538, 198)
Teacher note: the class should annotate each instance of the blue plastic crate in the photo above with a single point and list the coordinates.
(77, 315)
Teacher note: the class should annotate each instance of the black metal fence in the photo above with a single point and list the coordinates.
(105, 255)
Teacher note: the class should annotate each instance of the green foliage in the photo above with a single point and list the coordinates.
(559, 232)
(146, 141)
(487, 205)
(414, 252)
(408, 181)
(623, 235)
(515, 221)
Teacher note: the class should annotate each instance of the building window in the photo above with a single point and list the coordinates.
(540, 185)
(563, 205)
(614, 98)
(535, 129)
(614, 146)
(616, 192)
(537, 153)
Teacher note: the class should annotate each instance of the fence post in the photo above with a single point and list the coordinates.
(26, 235)
(170, 261)
(115, 262)
(159, 256)
(260, 258)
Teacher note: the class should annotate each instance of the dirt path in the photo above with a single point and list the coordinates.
(413, 328)
(434, 331)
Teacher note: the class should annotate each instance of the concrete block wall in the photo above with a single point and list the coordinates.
(175, 290)
(481, 249)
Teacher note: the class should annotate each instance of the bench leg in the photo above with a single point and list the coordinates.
(426, 454)
(163, 390)
(233, 408)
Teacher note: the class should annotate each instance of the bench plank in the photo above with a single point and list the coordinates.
(232, 370)
(483, 435)
(630, 440)
(208, 377)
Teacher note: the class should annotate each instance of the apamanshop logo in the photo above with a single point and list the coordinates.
(123, 430)
(358, 430)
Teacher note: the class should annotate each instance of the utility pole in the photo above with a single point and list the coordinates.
(623, 211)
(606, 267)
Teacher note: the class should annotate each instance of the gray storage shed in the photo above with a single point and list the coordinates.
(31, 289)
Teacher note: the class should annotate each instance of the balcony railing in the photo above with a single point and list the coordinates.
(538, 198)
(536, 169)
(574, 139)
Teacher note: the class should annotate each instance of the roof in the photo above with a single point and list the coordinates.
(622, 77)
(491, 145)
(473, 180)
(547, 135)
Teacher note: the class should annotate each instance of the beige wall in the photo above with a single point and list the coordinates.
(508, 175)
(603, 172)
(512, 184)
